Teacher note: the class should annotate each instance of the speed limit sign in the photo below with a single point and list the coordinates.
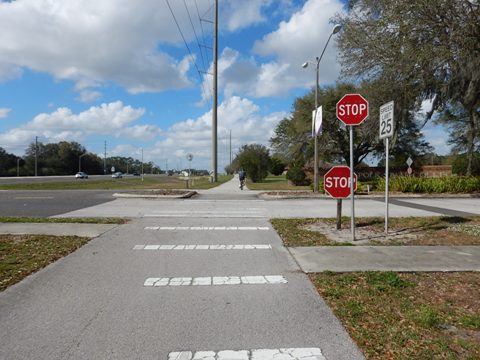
(386, 120)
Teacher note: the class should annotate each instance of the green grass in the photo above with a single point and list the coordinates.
(204, 182)
(273, 183)
(21, 255)
(157, 182)
(435, 230)
(26, 219)
(293, 233)
(407, 316)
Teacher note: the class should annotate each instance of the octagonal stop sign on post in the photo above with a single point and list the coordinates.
(336, 182)
(352, 109)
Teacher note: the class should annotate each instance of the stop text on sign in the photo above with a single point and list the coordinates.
(339, 181)
(336, 182)
(352, 109)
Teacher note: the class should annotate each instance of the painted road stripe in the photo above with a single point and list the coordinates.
(208, 228)
(259, 354)
(216, 280)
(203, 247)
(226, 214)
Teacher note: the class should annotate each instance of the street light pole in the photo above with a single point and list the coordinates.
(80, 162)
(142, 163)
(315, 155)
(36, 155)
(335, 30)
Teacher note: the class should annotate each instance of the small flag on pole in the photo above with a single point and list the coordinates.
(317, 123)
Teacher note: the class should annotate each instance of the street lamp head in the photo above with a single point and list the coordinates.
(305, 65)
(336, 28)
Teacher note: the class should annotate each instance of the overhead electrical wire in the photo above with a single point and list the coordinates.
(195, 33)
(193, 58)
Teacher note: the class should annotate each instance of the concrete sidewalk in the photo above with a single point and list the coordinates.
(387, 258)
(57, 229)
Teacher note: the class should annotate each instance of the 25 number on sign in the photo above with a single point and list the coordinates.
(386, 120)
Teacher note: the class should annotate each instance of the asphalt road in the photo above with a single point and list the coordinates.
(93, 304)
(46, 203)
(47, 179)
(97, 303)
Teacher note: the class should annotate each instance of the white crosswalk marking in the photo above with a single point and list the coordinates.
(216, 280)
(206, 228)
(256, 354)
(203, 247)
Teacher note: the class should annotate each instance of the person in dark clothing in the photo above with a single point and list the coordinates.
(241, 176)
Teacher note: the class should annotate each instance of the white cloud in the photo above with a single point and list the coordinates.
(8, 71)
(88, 96)
(110, 119)
(141, 132)
(4, 112)
(299, 39)
(92, 42)
(244, 13)
(240, 115)
(295, 41)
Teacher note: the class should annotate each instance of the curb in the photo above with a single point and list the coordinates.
(291, 195)
(184, 195)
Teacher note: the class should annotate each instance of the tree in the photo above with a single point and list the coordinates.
(427, 49)
(459, 165)
(276, 166)
(60, 159)
(8, 162)
(255, 160)
(456, 119)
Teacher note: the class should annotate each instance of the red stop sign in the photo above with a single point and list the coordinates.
(336, 182)
(352, 109)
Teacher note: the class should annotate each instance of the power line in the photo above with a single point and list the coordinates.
(200, 20)
(186, 44)
(204, 47)
(196, 37)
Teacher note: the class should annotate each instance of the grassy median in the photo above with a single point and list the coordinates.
(22, 255)
(126, 183)
(440, 230)
(30, 219)
(275, 183)
(407, 316)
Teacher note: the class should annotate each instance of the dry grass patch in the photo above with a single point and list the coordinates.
(294, 233)
(22, 255)
(407, 316)
(441, 230)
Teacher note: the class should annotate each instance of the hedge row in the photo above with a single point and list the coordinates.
(447, 184)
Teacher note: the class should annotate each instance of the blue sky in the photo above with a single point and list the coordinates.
(119, 71)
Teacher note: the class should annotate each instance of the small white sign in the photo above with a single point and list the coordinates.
(409, 161)
(112, 169)
(317, 123)
(386, 120)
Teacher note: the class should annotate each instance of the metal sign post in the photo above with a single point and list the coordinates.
(386, 131)
(352, 192)
(352, 109)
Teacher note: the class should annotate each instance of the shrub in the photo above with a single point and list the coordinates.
(276, 166)
(255, 160)
(459, 165)
(452, 184)
(297, 176)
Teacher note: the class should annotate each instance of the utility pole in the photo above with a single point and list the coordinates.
(166, 166)
(105, 159)
(230, 150)
(215, 96)
(36, 154)
(142, 163)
